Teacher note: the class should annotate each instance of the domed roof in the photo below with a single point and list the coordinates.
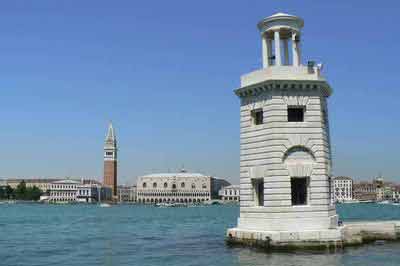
(280, 20)
(280, 14)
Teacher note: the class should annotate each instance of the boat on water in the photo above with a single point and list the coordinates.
(105, 205)
(166, 204)
(366, 201)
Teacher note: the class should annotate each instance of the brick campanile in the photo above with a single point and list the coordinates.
(110, 160)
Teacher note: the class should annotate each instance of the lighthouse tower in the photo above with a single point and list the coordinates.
(285, 154)
(110, 160)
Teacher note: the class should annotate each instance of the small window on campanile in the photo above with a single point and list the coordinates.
(257, 116)
(109, 153)
(296, 114)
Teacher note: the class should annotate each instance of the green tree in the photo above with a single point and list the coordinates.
(21, 191)
(33, 193)
(9, 192)
(2, 192)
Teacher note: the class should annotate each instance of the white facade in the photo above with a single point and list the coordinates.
(342, 189)
(63, 191)
(230, 193)
(67, 190)
(285, 156)
(174, 187)
(87, 193)
(396, 194)
(127, 193)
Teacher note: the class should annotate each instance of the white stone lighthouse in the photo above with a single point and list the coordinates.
(285, 154)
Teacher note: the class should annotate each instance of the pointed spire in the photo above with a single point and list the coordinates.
(110, 134)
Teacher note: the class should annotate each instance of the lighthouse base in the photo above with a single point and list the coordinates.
(349, 234)
(286, 240)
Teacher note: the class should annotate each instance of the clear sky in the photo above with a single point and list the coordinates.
(164, 72)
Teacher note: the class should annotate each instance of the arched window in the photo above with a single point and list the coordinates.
(173, 186)
(204, 186)
(165, 185)
(154, 184)
(183, 184)
(193, 186)
(298, 153)
(144, 184)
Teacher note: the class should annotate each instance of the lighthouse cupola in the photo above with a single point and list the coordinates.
(279, 32)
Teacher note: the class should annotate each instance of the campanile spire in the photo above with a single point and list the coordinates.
(110, 160)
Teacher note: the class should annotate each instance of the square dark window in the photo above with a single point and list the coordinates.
(257, 116)
(299, 190)
(295, 114)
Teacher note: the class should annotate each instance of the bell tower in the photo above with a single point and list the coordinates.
(110, 160)
(285, 154)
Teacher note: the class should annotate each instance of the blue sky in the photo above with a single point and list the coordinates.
(164, 72)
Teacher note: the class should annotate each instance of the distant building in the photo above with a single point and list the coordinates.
(396, 193)
(181, 187)
(364, 191)
(110, 161)
(380, 188)
(342, 189)
(127, 193)
(3, 183)
(216, 185)
(377, 190)
(44, 184)
(67, 190)
(90, 193)
(64, 191)
(230, 193)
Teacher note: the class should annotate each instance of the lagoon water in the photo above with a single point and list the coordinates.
(39, 234)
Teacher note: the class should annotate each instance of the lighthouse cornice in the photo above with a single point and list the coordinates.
(285, 86)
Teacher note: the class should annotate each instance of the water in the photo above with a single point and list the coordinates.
(136, 235)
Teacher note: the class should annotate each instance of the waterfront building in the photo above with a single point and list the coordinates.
(181, 187)
(42, 183)
(63, 190)
(70, 190)
(216, 184)
(230, 193)
(396, 193)
(89, 193)
(342, 189)
(3, 183)
(380, 188)
(110, 160)
(127, 193)
(375, 190)
(364, 191)
(86, 193)
(285, 155)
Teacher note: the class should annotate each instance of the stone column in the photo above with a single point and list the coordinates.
(265, 51)
(269, 48)
(286, 52)
(277, 48)
(296, 49)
